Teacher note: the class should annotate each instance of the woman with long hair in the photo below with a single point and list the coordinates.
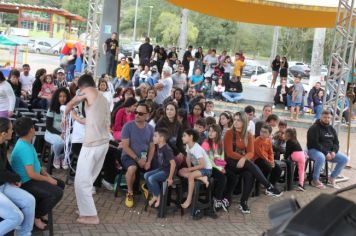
(170, 122)
(7, 98)
(225, 122)
(239, 152)
(54, 134)
(126, 94)
(124, 115)
(36, 89)
(283, 72)
(196, 113)
(17, 206)
(276, 65)
(213, 146)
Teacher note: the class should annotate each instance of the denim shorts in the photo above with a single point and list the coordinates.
(295, 104)
(205, 172)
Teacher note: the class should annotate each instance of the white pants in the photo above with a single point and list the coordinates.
(90, 162)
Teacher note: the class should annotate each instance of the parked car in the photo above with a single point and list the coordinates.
(250, 70)
(302, 70)
(43, 47)
(265, 80)
(324, 71)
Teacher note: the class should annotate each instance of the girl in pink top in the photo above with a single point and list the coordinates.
(124, 115)
(48, 88)
(196, 113)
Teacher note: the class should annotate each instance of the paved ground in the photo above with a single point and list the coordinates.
(116, 219)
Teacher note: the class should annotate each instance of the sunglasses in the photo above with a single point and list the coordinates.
(139, 113)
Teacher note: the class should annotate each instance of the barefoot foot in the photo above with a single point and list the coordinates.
(88, 220)
(186, 204)
(152, 201)
(39, 224)
(157, 203)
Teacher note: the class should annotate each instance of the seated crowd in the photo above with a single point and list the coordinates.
(162, 127)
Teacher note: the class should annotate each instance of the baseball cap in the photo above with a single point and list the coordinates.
(61, 70)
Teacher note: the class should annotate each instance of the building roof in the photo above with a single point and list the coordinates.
(10, 7)
(289, 13)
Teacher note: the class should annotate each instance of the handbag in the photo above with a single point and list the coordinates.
(234, 146)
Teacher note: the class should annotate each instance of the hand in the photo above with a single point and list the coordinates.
(62, 136)
(10, 113)
(241, 163)
(273, 164)
(147, 165)
(141, 163)
(169, 181)
(17, 184)
(329, 157)
(223, 171)
(52, 181)
(333, 154)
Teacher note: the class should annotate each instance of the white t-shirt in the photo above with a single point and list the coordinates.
(26, 82)
(251, 127)
(210, 60)
(166, 90)
(179, 80)
(7, 97)
(197, 152)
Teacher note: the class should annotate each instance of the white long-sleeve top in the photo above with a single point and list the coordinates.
(7, 97)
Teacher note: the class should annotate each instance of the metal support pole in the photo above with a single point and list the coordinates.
(134, 31)
(182, 40)
(149, 22)
(274, 42)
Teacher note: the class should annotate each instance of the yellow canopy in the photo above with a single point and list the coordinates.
(289, 13)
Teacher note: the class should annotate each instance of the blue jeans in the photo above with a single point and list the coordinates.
(153, 179)
(17, 208)
(318, 109)
(57, 143)
(70, 72)
(319, 158)
(232, 96)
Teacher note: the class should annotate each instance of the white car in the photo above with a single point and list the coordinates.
(265, 80)
(44, 47)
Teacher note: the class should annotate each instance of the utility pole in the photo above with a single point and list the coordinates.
(182, 40)
(317, 55)
(149, 22)
(134, 31)
(274, 43)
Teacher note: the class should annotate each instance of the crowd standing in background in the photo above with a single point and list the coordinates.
(160, 122)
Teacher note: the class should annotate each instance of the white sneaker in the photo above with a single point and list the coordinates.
(64, 165)
(93, 190)
(107, 185)
(57, 163)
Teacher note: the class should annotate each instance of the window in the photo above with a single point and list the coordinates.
(42, 26)
(25, 24)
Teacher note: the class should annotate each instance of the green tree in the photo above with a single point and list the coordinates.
(167, 31)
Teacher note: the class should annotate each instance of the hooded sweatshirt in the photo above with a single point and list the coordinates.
(322, 138)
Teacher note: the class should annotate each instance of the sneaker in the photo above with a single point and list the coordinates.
(217, 205)
(145, 190)
(57, 163)
(129, 201)
(301, 188)
(274, 192)
(244, 208)
(332, 183)
(107, 185)
(64, 165)
(226, 203)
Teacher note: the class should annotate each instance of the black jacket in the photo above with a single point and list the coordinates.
(234, 87)
(7, 175)
(323, 138)
(145, 51)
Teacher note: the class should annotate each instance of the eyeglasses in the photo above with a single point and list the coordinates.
(139, 113)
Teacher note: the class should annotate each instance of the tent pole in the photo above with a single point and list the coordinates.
(15, 54)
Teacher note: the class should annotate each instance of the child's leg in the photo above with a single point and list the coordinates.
(205, 180)
(291, 112)
(155, 179)
(297, 112)
(299, 157)
(191, 177)
(184, 173)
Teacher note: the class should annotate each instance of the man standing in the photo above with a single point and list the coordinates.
(323, 145)
(187, 57)
(111, 50)
(145, 52)
(137, 148)
(180, 78)
(164, 85)
(26, 80)
(172, 56)
(95, 146)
